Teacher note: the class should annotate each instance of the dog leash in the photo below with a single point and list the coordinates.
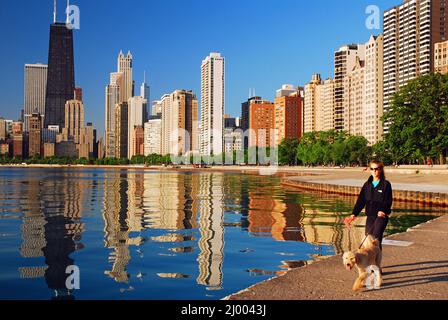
(363, 241)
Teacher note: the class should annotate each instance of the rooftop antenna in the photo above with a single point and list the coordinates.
(54, 12)
(67, 11)
(144, 76)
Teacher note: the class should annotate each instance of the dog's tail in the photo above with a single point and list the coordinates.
(370, 242)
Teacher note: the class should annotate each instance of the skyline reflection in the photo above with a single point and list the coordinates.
(165, 230)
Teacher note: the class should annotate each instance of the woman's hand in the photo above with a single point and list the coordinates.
(381, 214)
(349, 220)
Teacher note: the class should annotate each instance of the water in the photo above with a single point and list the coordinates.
(152, 235)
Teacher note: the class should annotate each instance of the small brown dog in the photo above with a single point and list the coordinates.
(369, 255)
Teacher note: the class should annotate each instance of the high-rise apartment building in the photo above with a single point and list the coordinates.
(374, 93)
(344, 62)
(153, 137)
(212, 104)
(113, 98)
(121, 130)
(136, 119)
(61, 74)
(353, 100)
(179, 123)
(288, 115)
(441, 57)
(167, 123)
(125, 68)
(35, 135)
(262, 123)
(74, 121)
(245, 118)
(312, 102)
(3, 134)
(156, 109)
(35, 86)
(363, 93)
(411, 31)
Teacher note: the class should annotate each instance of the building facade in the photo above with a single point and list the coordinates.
(121, 130)
(153, 137)
(288, 115)
(262, 124)
(61, 74)
(212, 104)
(74, 121)
(35, 86)
(35, 135)
(136, 119)
(411, 31)
(344, 62)
(441, 57)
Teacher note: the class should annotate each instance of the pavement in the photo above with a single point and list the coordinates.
(437, 183)
(415, 272)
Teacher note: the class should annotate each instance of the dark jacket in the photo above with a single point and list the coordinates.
(374, 199)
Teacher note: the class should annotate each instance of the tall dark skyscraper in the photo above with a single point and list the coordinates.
(61, 74)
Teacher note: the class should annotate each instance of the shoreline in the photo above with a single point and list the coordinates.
(314, 282)
(311, 179)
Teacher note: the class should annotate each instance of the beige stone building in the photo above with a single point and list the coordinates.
(179, 123)
(319, 105)
(441, 57)
(312, 101)
(363, 93)
(374, 93)
(74, 121)
(353, 100)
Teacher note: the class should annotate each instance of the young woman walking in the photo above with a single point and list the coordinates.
(376, 197)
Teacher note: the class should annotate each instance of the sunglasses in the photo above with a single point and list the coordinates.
(375, 169)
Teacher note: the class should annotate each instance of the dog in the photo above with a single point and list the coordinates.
(369, 255)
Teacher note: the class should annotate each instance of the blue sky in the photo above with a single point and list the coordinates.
(266, 43)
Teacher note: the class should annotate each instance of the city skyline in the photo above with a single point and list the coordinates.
(245, 68)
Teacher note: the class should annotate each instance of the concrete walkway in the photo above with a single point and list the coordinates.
(419, 271)
(400, 181)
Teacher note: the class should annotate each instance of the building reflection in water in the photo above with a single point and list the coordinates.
(52, 229)
(211, 228)
(122, 215)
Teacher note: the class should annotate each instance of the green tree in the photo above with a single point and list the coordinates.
(419, 120)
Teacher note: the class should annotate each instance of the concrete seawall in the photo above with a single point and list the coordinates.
(422, 197)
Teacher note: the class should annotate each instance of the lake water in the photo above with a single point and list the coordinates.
(163, 235)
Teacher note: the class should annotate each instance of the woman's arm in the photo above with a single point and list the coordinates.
(360, 203)
(388, 199)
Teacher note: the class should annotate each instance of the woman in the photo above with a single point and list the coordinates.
(376, 197)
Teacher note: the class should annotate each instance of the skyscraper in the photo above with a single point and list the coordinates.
(411, 31)
(313, 100)
(35, 135)
(153, 137)
(212, 104)
(245, 118)
(74, 121)
(121, 130)
(145, 94)
(61, 74)
(179, 116)
(112, 99)
(125, 67)
(35, 86)
(288, 115)
(344, 62)
(136, 119)
(261, 123)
